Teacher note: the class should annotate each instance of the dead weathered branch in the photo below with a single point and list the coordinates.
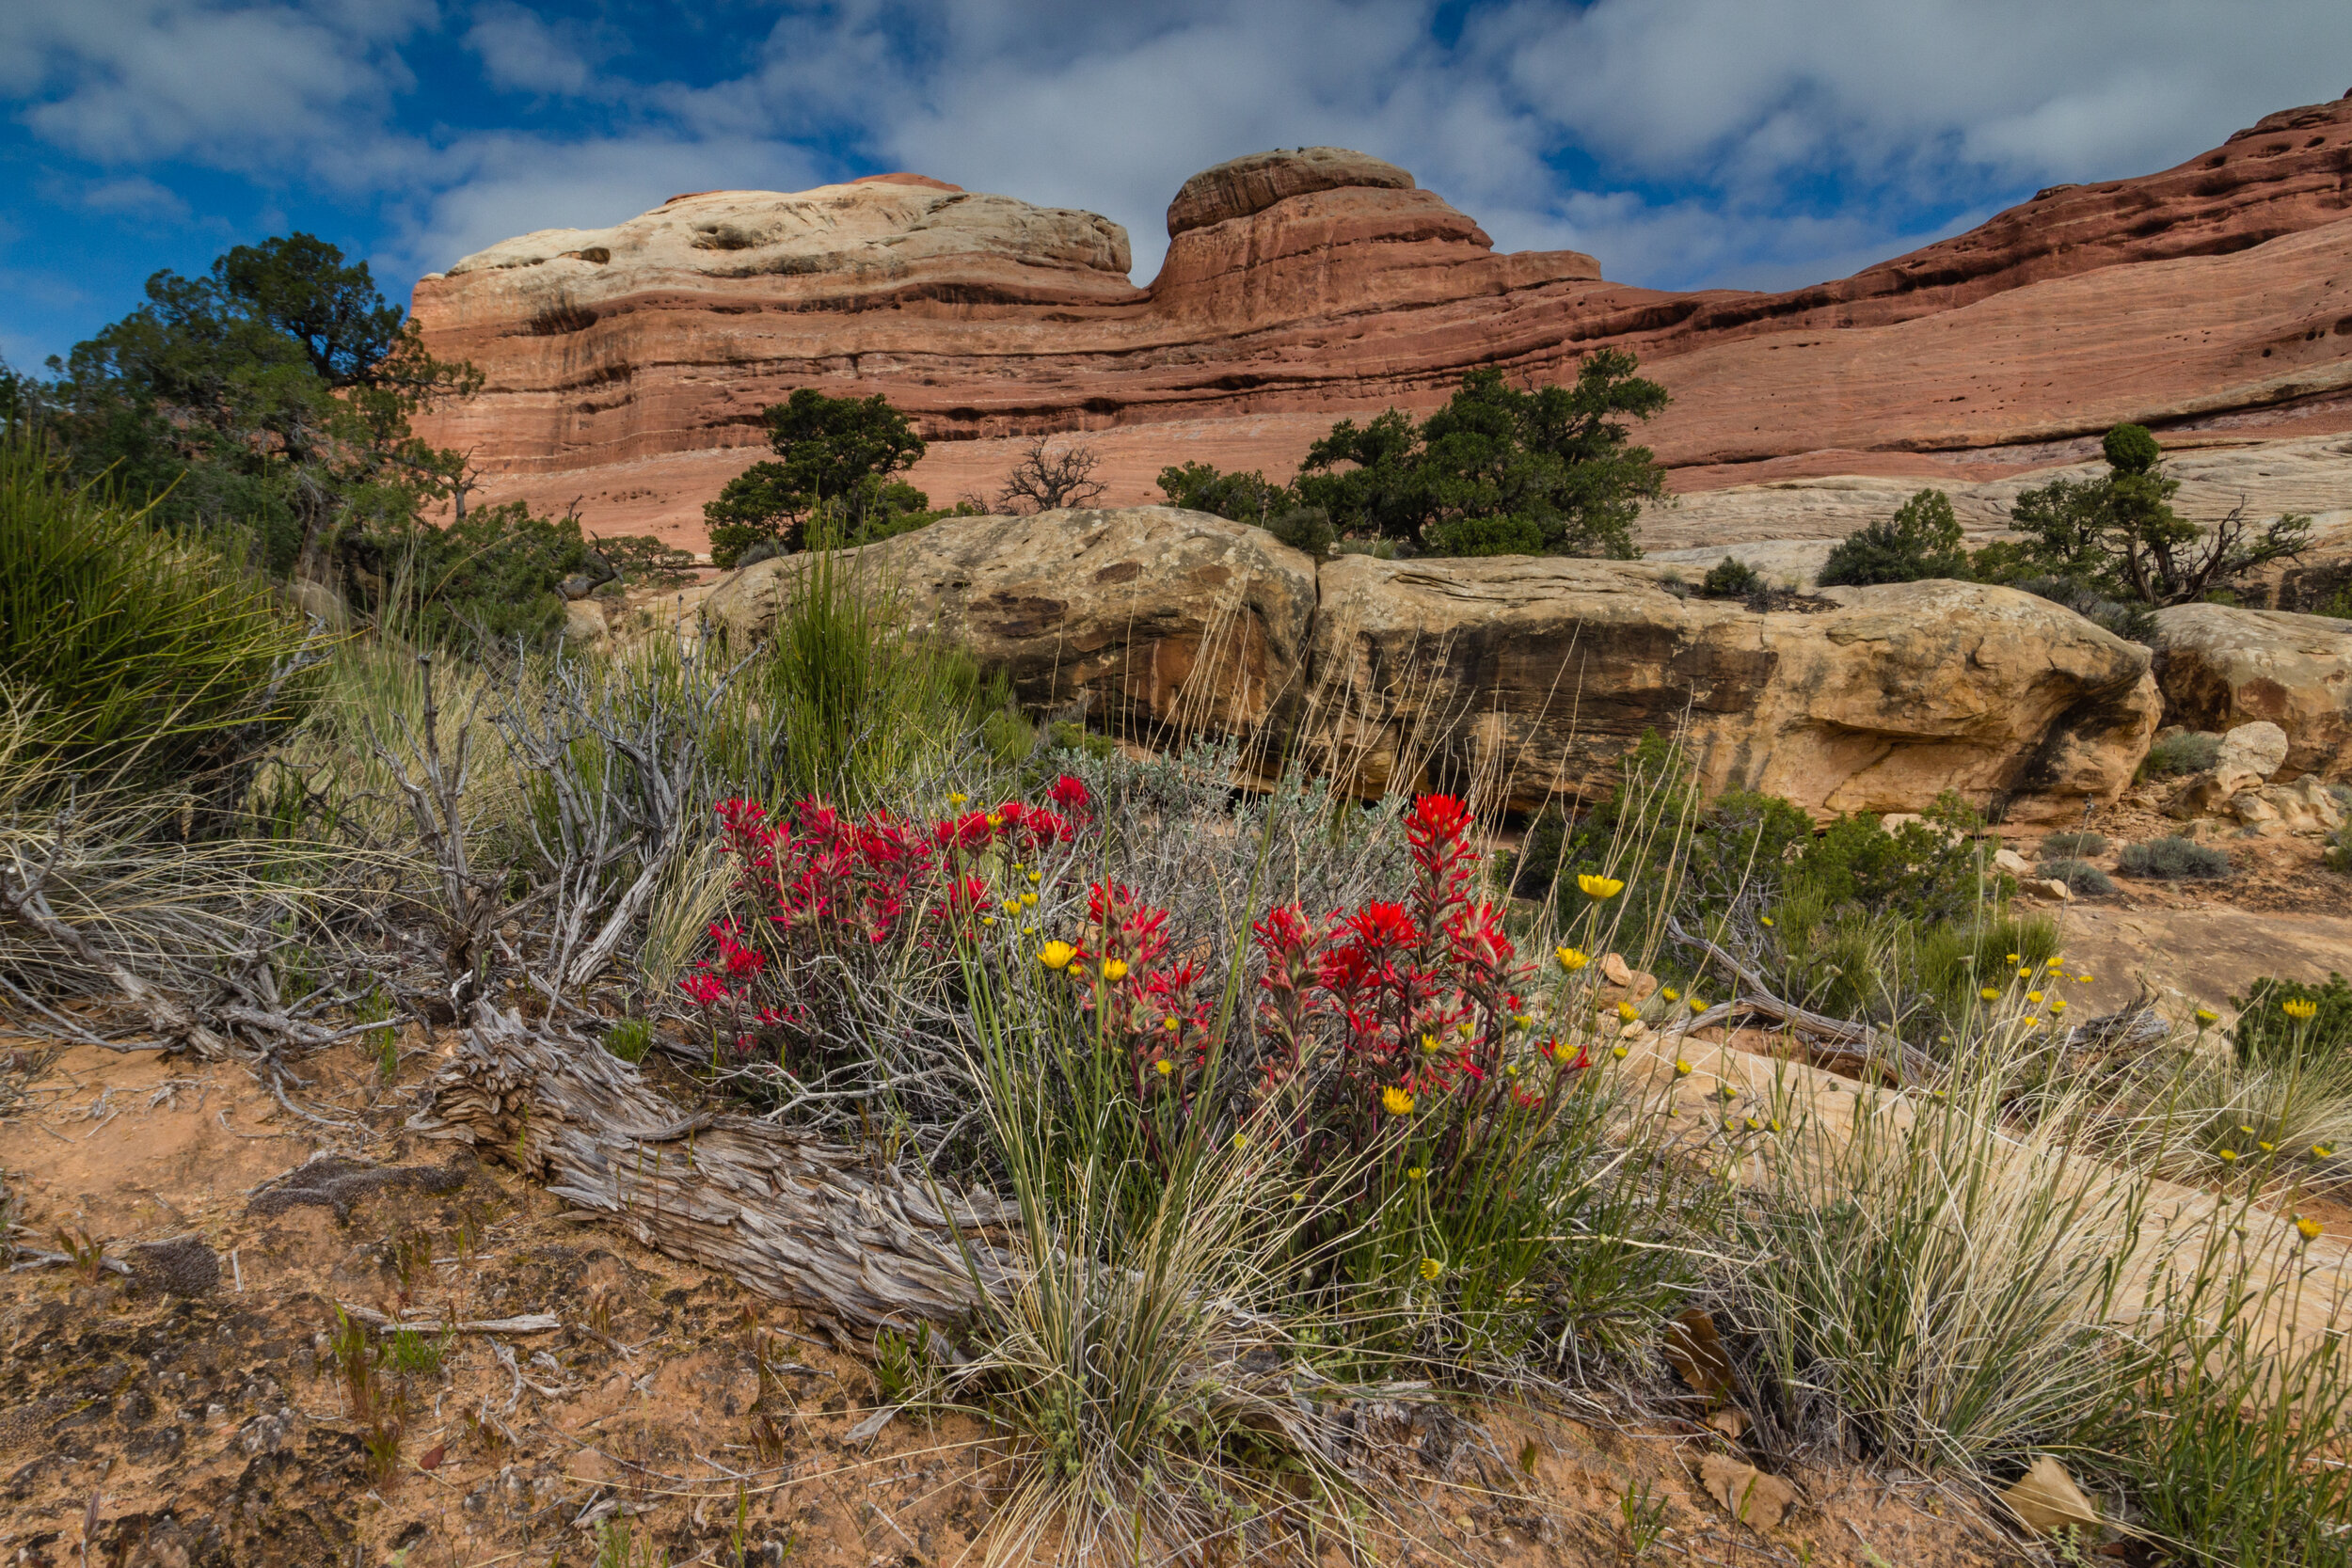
(1874, 1046)
(822, 1226)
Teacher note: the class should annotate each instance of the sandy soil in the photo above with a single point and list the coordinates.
(173, 1420)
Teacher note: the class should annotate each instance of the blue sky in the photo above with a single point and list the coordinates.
(1686, 143)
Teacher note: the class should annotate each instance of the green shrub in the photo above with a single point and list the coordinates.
(2265, 1029)
(2074, 844)
(644, 562)
(2129, 619)
(2173, 859)
(833, 460)
(1486, 536)
(1731, 579)
(1244, 498)
(1305, 528)
(2082, 879)
(149, 657)
(1922, 540)
(492, 577)
(2190, 751)
(1498, 470)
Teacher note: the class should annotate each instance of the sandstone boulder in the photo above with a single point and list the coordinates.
(1147, 619)
(1531, 676)
(2258, 748)
(2222, 668)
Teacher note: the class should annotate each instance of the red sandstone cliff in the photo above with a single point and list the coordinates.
(1302, 283)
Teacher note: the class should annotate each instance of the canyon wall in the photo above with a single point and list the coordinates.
(627, 365)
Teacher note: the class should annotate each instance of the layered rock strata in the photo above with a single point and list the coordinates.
(1304, 283)
(1521, 679)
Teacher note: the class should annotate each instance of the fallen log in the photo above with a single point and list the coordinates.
(818, 1224)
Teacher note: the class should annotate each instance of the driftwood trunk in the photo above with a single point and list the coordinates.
(820, 1226)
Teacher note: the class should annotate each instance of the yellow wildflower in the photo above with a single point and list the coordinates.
(1057, 954)
(2207, 1018)
(958, 799)
(1036, 877)
(1164, 1067)
(1167, 1024)
(1114, 968)
(1618, 1051)
(1572, 959)
(1697, 1005)
(1599, 887)
(1028, 900)
(994, 820)
(1241, 1140)
(2082, 979)
(987, 919)
(1416, 1173)
(2010, 958)
(1990, 994)
(1520, 1020)
(2033, 996)
(2307, 1227)
(2299, 1009)
(2321, 1152)
(1627, 1011)
(2058, 1003)
(2268, 1147)
(2228, 1156)
(1429, 1045)
(1431, 1269)
(1682, 1068)
(1012, 906)
(1396, 1101)
(1671, 994)
(1764, 919)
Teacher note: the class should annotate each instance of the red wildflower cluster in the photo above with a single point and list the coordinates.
(1417, 996)
(830, 883)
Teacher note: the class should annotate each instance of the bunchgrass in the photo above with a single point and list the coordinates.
(1937, 1283)
(137, 656)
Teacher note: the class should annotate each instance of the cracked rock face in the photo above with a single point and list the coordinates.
(1533, 673)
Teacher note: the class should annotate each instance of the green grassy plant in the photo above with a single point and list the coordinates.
(2236, 1454)
(1940, 1284)
(134, 655)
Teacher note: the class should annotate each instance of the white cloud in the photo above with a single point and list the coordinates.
(521, 51)
(1756, 142)
(241, 87)
(133, 195)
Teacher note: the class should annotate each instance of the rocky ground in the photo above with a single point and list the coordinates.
(190, 1412)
